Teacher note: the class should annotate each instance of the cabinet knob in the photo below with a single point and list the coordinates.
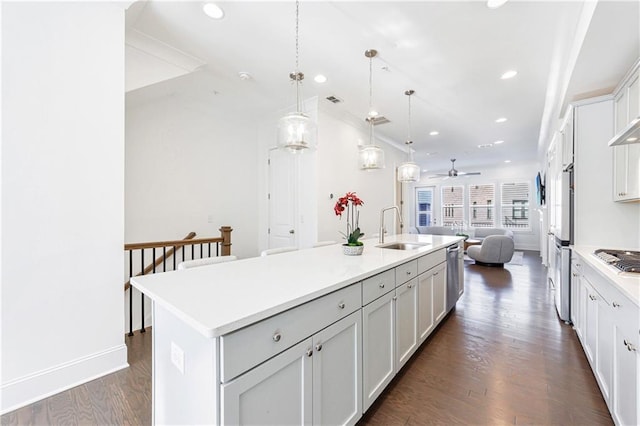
(319, 347)
(616, 304)
(408, 272)
(409, 285)
(277, 337)
(436, 274)
(341, 305)
(309, 352)
(578, 265)
(395, 298)
(381, 285)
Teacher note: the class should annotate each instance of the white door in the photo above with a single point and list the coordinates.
(277, 392)
(378, 346)
(337, 372)
(282, 199)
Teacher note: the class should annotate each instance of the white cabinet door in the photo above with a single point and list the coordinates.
(460, 269)
(633, 93)
(378, 347)
(621, 111)
(426, 322)
(604, 351)
(277, 392)
(626, 172)
(439, 292)
(575, 299)
(337, 374)
(590, 330)
(626, 373)
(406, 321)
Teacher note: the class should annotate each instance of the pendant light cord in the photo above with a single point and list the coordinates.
(297, 71)
(370, 100)
(409, 130)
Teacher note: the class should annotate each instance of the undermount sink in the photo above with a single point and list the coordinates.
(402, 246)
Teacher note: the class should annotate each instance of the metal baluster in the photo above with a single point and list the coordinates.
(174, 258)
(183, 253)
(130, 293)
(209, 248)
(217, 249)
(200, 250)
(192, 251)
(142, 330)
(164, 259)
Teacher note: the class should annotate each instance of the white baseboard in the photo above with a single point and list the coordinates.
(532, 247)
(42, 384)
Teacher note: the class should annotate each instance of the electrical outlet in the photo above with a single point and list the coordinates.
(177, 357)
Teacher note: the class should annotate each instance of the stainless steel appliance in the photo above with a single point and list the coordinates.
(560, 275)
(452, 276)
(623, 260)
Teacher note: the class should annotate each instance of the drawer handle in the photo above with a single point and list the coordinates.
(409, 285)
(592, 297)
(408, 272)
(629, 346)
(381, 285)
(309, 352)
(319, 347)
(277, 337)
(616, 305)
(578, 265)
(395, 297)
(341, 305)
(436, 274)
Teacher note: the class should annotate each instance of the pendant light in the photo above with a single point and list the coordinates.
(296, 131)
(409, 171)
(371, 156)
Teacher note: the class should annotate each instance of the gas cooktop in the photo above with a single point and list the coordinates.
(626, 261)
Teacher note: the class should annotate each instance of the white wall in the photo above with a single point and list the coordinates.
(339, 172)
(62, 196)
(523, 239)
(190, 167)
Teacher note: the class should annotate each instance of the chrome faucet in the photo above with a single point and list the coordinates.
(381, 238)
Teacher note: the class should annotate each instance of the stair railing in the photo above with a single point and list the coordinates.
(185, 249)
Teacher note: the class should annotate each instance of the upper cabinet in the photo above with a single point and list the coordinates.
(627, 109)
(626, 142)
(566, 140)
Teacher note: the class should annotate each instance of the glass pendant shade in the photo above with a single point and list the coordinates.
(297, 132)
(371, 157)
(409, 172)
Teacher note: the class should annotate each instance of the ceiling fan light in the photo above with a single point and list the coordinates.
(408, 172)
(371, 157)
(296, 132)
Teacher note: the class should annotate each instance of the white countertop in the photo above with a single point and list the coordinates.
(218, 299)
(627, 282)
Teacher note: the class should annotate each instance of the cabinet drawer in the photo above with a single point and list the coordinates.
(430, 260)
(252, 345)
(406, 271)
(376, 286)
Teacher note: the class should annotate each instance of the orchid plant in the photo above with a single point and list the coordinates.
(349, 204)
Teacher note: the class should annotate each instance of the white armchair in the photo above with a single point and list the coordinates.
(496, 250)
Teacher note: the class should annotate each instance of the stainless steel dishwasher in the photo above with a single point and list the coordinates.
(452, 276)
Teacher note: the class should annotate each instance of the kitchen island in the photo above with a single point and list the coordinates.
(306, 337)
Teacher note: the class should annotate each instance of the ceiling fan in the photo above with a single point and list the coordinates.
(453, 172)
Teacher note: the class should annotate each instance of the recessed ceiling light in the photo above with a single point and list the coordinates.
(425, 170)
(434, 133)
(212, 10)
(494, 4)
(507, 161)
(498, 142)
(485, 145)
(509, 74)
(632, 139)
(320, 78)
(501, 120)
(244, 75)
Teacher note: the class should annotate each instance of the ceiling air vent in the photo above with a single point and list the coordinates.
(378, 120)
(334, 99)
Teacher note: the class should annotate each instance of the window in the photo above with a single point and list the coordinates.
(424, 209)
(481, 208)
(515, 205)
(452, 205)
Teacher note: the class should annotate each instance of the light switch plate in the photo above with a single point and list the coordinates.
(177, 357)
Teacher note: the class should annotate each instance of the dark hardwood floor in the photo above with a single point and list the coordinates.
(501, 357)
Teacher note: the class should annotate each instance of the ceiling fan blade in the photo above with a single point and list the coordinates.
(468, 173)
(439, 175)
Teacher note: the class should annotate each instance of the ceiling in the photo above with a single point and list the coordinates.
(452, 53)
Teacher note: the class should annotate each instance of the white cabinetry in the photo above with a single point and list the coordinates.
(565, 151)
(608, 325)
(316, 381)
(378, 346)
(626, 158)
(406, 321)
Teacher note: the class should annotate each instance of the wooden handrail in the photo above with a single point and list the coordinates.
(160, 259)
(174, 243)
